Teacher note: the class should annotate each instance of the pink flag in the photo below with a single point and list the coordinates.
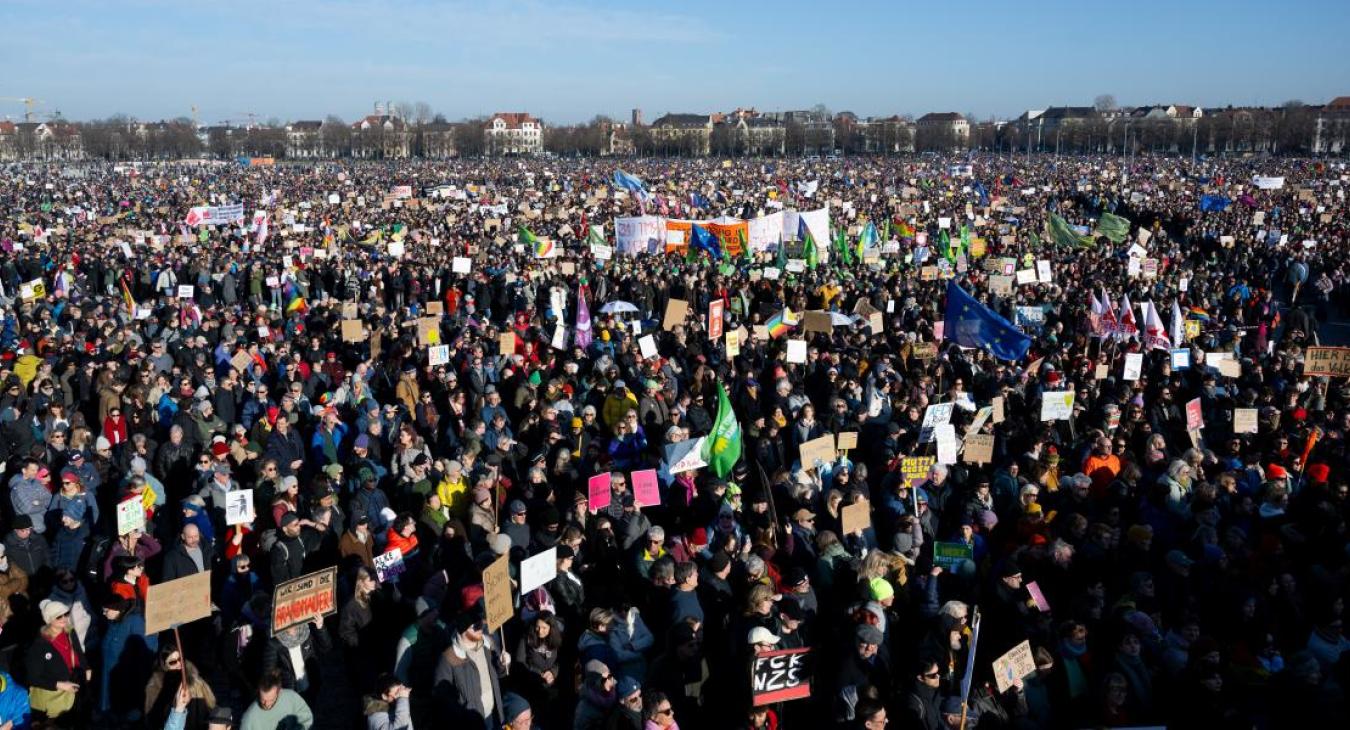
(645, 490)
(583, 327)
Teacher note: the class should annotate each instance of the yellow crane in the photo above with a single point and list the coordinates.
(28, 104)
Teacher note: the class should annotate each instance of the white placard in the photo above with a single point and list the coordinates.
(461, 265)
(186, 291)
(1026, 276)
(395, 248)
(239, 507)
(1043, 274)
(130, 515)
(944, 222)
(946, 443)
(539, 569)
(796, 351)
(1056, 405)
(438, 355)
(647, 346)
(333, 199)
(559, 340)
(1134, 365)
(1181, 358)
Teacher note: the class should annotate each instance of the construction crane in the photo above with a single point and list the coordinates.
(252, 118)
(28, 104)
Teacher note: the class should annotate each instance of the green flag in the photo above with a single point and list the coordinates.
(594, 237)
(945, 246)
(965, 241)
(1064, 235)
(1114, 227)
(812, 256)
(722, 447)
(745, 245)
(842, 248)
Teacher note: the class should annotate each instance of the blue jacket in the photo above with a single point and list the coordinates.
(14, 705)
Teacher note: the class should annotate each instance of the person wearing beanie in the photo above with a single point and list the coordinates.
(24, 548)
(57, 667)
(469, 672)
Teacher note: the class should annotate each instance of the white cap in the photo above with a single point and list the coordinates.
(761, 635)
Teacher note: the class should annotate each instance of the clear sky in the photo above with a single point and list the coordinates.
(567, 60)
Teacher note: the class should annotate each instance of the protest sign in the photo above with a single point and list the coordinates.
(1134, 365)
(389, 565)
(1330, 361)
(1181, 358)
(1244, 420)
(130, 515)
(646, 491)
(647, 346)
(1038, 597)
(598, 494)
(497, 592)
(945, 435)
(685, 456)
(733, 340)
(438, 355)
(461, 265)
(1016, 664)
(817, 450)
(715, 314)
(177, 602)
(506, 343)
(1195, 415)
(304, 599)
(847, 441)
(1057, 405)
(186, 291)
(538, 569)
(949, 555)
(239, 507)
(979, 448)
(915, 469)
(1230, 368)
(781, 675)
(796, 351)
(997, 404)
(816, 321)
(856, 517)
(676, 311)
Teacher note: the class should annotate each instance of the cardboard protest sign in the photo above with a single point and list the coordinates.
(497, 592)
(538, 569)
(676, 312)
(598, 494)
(876, 322)
(186, 291)
(429, 331)
(856, 517)
(646, 492)
(130, 515)
(781, 675)
(304, 599)
(818, 449)
(1230, 368)
(506, 343)
(241, 361)
(948, 555)
(733, 340)
(389, 565)
(1244, 420)
(1016, 664)
(815, 321)
(1330, 361)
(436, 307)
(979, 448)
(239, 507)
(847, 441)
(177, 602)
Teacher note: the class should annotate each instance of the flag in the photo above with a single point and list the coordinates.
(1127, 325)
(128, 299)
(1155, 333)
(965, 240)
(630, 183)
(585, 231)
(543, 247)
(779, 324)
(905, 230)
(945, 246)
(1217, 203)
(1097, 314)
(1114, 227)
(596, 236)
(745, 245)
(261, 220)
(809, 249)
(583, 335)
(971, 324)
(868, 239)
(841, 247)
(1064, 235)
(982, 192)
(722, 448)
(700, 239)
(1178, 324)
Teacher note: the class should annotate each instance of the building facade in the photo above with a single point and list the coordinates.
(513, 133)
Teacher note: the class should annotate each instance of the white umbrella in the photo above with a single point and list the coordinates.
(618, 307)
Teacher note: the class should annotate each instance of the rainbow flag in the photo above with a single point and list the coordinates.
(543, 247)
(781, 323)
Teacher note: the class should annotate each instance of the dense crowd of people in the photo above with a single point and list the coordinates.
(410, 420)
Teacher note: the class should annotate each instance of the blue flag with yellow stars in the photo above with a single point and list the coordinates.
(971, 324)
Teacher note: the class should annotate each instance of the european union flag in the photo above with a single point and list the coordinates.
(984, 194)
(971, 324)
(629, 183)
(700, 239)
(1215, 202)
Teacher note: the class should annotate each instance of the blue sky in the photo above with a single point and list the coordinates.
(568, 60)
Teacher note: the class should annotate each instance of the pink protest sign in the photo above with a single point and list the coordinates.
(598, 494)
(1042, 605)
(645, 491)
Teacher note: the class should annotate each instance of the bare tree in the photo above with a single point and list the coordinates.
(421, 113)
(1104, 103)
(335, 136)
